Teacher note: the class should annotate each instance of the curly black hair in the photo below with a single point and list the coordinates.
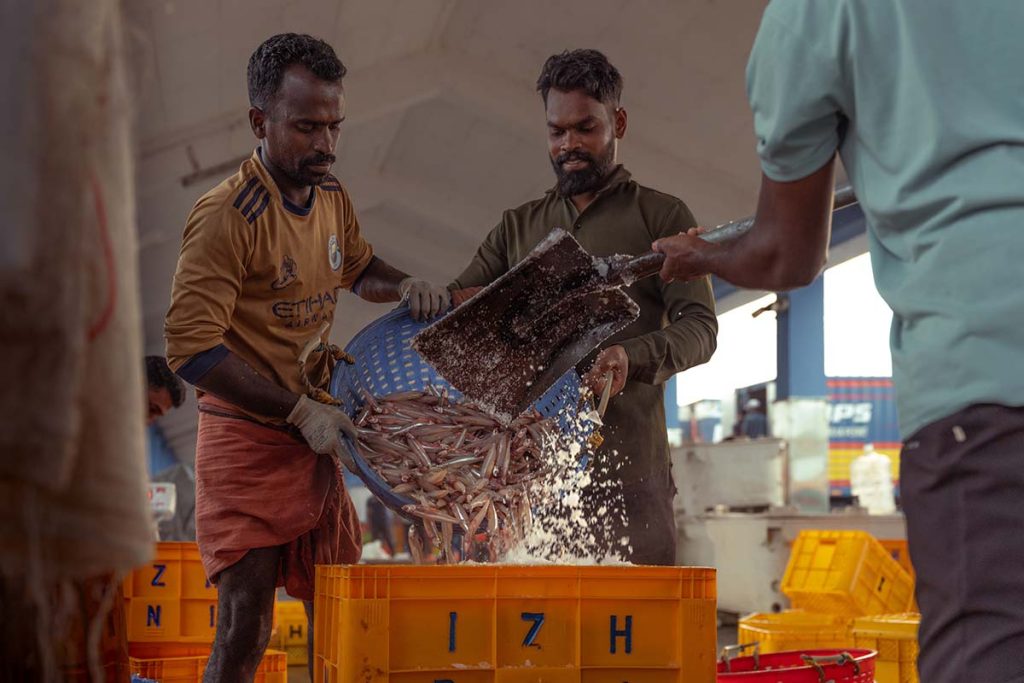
(160, 376)
(269, 61)
(586, 70)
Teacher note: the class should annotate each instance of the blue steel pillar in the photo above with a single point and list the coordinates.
(801, 344)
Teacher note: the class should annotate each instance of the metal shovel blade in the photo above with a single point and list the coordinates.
(507, 345)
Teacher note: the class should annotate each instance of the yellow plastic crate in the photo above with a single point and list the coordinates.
(291, 633)
(291, 622)
(169, 650)
(175, 572)
(171, 620)
(897, 549)
(273, 668)
(169, 599)
(298, 655)
(795, 630)
(846, 573)
(514, 624)
(894, 636)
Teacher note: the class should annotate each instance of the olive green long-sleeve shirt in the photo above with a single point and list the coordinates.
(676, 329)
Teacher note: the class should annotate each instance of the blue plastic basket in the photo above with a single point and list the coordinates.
(385, 363)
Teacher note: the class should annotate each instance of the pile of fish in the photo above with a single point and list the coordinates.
(466, 471)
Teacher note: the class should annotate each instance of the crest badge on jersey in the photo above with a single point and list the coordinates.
(286, 274)
(334, 252)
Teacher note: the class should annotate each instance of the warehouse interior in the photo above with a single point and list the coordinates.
(784, 445)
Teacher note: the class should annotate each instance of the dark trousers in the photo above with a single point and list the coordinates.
(649, 525)
(962, 484)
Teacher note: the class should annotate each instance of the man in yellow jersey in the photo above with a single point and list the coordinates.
(264, 259)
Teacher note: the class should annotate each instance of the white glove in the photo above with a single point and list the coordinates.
(426, 300)
(320, 425)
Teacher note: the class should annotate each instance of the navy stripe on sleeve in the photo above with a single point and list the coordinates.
(253, 200)
(245, 191)
(201, 363)
(260, 208)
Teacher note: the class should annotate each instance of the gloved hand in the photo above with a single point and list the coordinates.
(426, 299)
(320, 424)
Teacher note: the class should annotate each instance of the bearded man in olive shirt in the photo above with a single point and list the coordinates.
(609, 213)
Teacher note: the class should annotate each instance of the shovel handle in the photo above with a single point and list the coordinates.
(651, 262)
(609, 379)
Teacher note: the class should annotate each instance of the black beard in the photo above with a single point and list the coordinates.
(585, 180)
(304, 177)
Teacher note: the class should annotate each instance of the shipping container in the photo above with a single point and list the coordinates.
(861, 410)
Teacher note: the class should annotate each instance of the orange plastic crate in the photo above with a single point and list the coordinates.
(291, 632)
(168, 650)
(846, 573)
(894, 636)
(795, 630)
(175, 572)
(171, 620)
(514, 624)
(169, 598)
(273, 668)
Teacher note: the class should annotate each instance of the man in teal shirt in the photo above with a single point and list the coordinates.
(924, 102)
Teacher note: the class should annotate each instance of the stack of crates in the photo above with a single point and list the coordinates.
(795, 630)
(171, 617)
(846, 573)
(894, 636)
(847, 590)
(169, 600)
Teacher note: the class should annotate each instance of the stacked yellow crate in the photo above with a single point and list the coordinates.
(795, 630)
(845, 573)
(169, 600)
(894, 636)
(171, 615)
(847, 590)
(291, 633)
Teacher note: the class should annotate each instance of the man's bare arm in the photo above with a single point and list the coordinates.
(382, 282)
(379, 282)
(235, 381)
(786, 248)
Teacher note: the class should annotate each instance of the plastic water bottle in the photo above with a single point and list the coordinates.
(871, 481)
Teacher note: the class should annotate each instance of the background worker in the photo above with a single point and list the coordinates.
(610, 213)
(264, 259)
(164, 390)
(922, 100)
(754, 424)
